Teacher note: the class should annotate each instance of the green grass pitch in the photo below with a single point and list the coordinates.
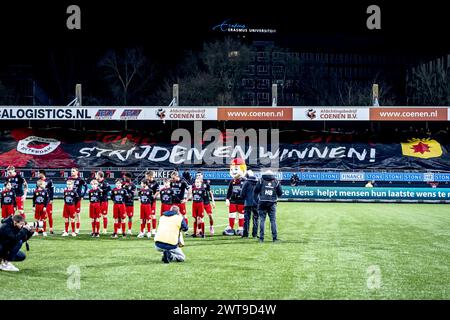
(328, 251)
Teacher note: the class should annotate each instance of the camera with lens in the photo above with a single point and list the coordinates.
(36, 224)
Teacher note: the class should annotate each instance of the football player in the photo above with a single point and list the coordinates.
(8, 200)
(118, 196)
(71, 197)
(20, 187)
(95, 207)
(154, 186)
(146, 199)
(198, 197)
(81, 187)
(180, 193)
(40, 202)
(209, 202)
(50, 191)
(130, 188)
(106, 189)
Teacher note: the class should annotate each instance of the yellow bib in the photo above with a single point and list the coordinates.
(169, 229)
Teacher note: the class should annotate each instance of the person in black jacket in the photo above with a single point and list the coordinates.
(13, 233)
(267, 191)
(294, 180)
(187, 176)
(51, 191)
(250, 204)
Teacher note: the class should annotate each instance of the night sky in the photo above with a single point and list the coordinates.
(30, 30)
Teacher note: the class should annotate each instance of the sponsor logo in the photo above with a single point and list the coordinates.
(311, 113)
(163, 174)
(330, 114)
(187, 114)
(37, 146)
(409, 114)
(161, 113)
(422, 148)
(259, 114)
(226, 26)
(130, 114)
(338, 114)
(352, 176)
(105, 113)
(44, 113)
(428, 177)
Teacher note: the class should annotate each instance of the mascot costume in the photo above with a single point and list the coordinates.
(234, 201)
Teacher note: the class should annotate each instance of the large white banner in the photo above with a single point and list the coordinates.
(333, 113)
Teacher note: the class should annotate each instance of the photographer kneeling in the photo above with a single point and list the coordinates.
(168, 238)
(13, 233)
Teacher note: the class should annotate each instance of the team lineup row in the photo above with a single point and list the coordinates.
(175, 191)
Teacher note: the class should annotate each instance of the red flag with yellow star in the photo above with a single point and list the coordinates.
(422, 148)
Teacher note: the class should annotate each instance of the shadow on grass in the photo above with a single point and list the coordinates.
(227, 240)
(34, 272)
(214, 240)
(84, 237)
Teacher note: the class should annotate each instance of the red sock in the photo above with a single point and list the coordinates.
(45, 226)
(123, 227)
(211, 221)
(98, 226)
(154, 223)
(130, 225)
(116, 226)
(231, 221)
(66, 226)
(50, 221)
(203, 227)
(93, 226)
(105, 222)
(241, 223)
(148, 227)
(73, 226)
(195, 227)
(142, 227)
(78, 226)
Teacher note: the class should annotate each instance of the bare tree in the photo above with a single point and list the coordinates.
(127, 73)
(210, 77)
(5, 94)
(323, 89)
(226, 61)
(429, 84)
(360, 94)
(201, 89)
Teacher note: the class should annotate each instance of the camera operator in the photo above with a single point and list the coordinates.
(13, 233)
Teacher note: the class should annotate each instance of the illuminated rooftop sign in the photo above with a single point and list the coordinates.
(227, 26)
